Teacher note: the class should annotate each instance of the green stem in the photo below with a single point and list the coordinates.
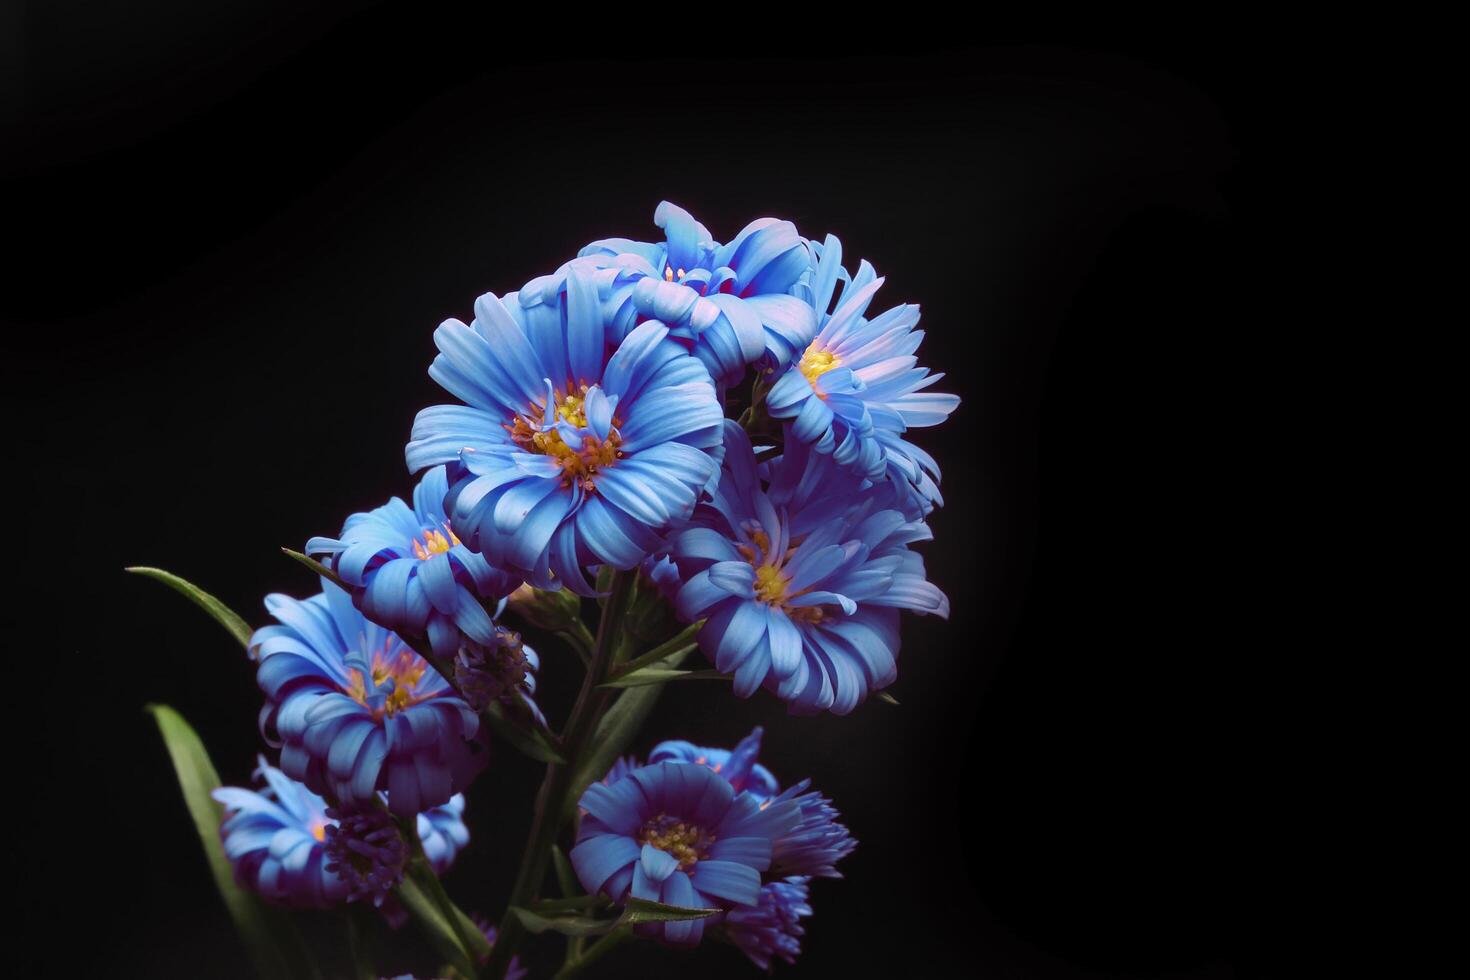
(551, 801)
(594, 953)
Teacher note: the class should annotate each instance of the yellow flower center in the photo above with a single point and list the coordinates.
(815, 363)
(319, 829)
(685, 842)
(579, 464)
(771, 582)
(433, 543)
(405, 669)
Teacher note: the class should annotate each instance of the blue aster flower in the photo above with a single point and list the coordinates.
(800, 577)
(732, 304)
(276, 839)
(737, 765)
(410, 573)
(857, 386)
(678, 834)
(356, 711)
(772, 928)
(818, 842)
(443, 833)
(569, 451)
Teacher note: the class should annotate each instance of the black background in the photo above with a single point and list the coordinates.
(239, 225)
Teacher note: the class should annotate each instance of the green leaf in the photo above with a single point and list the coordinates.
(567, 925)
(270, 937)
(637, 910)
(680, 643)
(566, 880)
(662, 675)
(574, 903)
(453, 934)
(885, 696)
(317, 568)
(222, 613)
(532, 742)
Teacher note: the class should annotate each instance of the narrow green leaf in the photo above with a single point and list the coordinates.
(533, 743)
(885, 696)
(359, 934)
(662, 675)
(317, 568)
(574, 903)
(637, 910)
(221, 613)
(682, 642)
(451, 932)
(566, 880)
(270, 937)
(567, 925)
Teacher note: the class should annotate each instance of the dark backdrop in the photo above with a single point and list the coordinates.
(240, 224)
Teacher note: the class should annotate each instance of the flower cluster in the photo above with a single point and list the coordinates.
(710, 828)
(597, 433)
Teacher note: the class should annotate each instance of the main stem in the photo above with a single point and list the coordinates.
(551, 802)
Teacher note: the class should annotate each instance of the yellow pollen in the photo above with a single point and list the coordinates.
(405, 670)
(319, 830)
(670, 275)
(579, 464)
(434, 543)
(815, 363)
(684, 842)
(770, 585)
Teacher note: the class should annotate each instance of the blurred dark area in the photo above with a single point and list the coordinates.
(237, 226)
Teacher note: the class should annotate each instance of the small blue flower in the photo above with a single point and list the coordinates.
(800, 578)
(819, 841)
(678, 834)
(275, 839)
(443, 833)
(857, 386)
(410, 573)
(355, 710)
(737, 765)
(732, 304)
(568, 452)
(772, 928)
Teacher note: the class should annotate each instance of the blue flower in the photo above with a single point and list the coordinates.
(443, 833)
(857, 386)
(772, 928)
(568, 452)
(678, 834)
(731, 304)
(275, 839)
(818, 842)
(410, 573)
(737, 765)
(357, 711)
(800, 578)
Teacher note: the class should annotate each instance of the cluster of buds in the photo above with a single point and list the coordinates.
(366, 850)
(491, 672)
